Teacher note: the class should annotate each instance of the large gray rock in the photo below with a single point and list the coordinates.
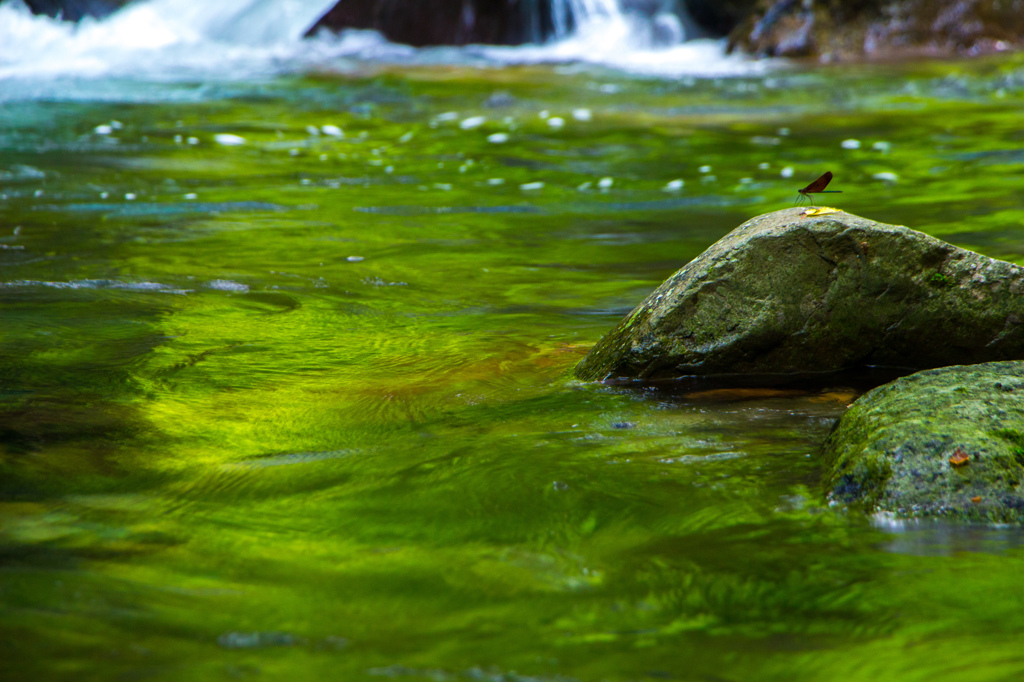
(943, 442)
(786, 293)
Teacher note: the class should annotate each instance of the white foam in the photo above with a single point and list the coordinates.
(181, 41)
(168, 39)
(227, 285)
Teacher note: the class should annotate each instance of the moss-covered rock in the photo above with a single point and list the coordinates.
(785, 293)
(943, 442)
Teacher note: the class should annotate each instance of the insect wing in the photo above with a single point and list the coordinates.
(819, 184)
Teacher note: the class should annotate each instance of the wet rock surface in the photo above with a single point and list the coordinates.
(842, 30)
(75, 10)
(945, 442)
(786, 293)
(442, 22)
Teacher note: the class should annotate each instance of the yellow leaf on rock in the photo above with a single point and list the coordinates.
(819, 210)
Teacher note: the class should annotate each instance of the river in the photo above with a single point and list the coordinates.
(287, 344)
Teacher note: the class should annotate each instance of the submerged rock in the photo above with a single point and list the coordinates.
(786, 293)
(943, 442)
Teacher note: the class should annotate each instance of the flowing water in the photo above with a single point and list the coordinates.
(286, 356)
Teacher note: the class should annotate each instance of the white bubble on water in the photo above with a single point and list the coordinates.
(605, 183)
(228, 140)
(191, 196)
(103, 129)
(446, 116)
(786, 172)
(193, 140)
(473, 122)
(130, 196)
(496, 181)
(674, 186)
(886, 176)
(704, 169)
(406, 138)
(556, 122)
(764, 166)
(585, 186)
(850, 144)
(332, 130)
(498, 138)
(531, 186)
(881, 146)
(227, 285)
(582, 114)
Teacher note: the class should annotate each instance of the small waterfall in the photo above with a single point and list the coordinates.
(164, 39)
(201, 41)
(245, 22)
(638, 24)
(568, 15)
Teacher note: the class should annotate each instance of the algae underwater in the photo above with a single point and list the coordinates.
(302, 406)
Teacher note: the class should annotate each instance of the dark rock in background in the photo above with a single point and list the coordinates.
(75, 10)
(445, 22)
(719, 17)
(946, 442)
(842, 30)
(787, 294)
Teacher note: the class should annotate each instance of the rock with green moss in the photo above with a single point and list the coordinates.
(786, 293)
(943, 442)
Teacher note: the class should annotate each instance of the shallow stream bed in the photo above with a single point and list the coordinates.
(285, 380)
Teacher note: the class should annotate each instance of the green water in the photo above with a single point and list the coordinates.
(302, 408)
